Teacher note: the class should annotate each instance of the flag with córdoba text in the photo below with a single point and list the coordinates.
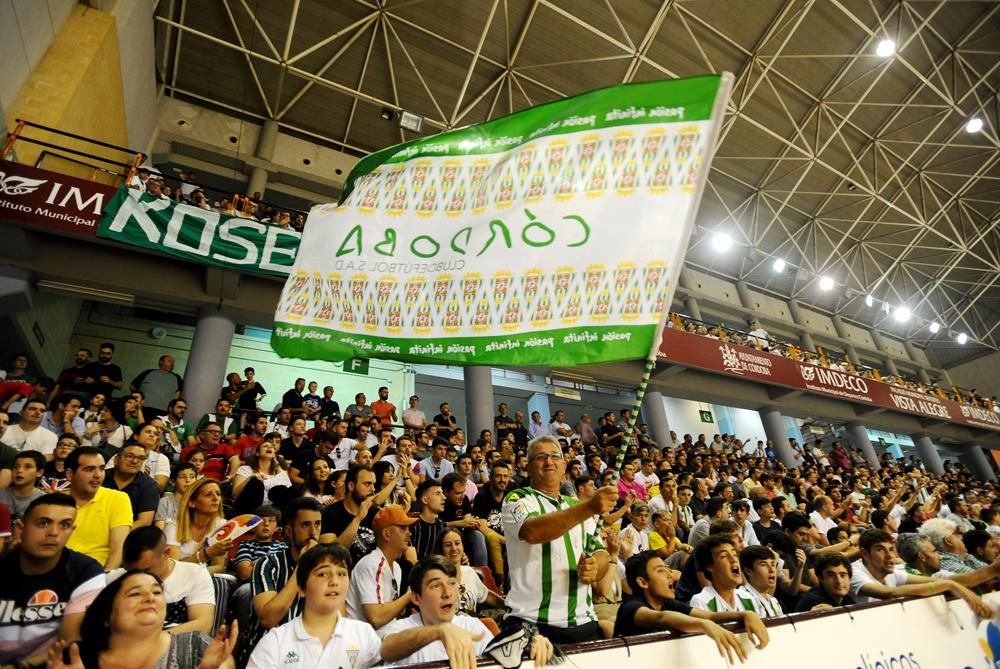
(553, 236)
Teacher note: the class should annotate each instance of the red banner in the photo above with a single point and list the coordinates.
(691, 350)
(52, 201)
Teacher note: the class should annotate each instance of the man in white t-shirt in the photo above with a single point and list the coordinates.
(435, 633)
(414, 420)
(822, 517)
(187, 586)
(375, 595)
(646, 476)
(28, 434)
(874, 577)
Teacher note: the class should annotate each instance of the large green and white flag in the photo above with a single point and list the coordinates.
(553, 236)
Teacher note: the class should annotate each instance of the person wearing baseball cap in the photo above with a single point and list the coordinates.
(375, 595)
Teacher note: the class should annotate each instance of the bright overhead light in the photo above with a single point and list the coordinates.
(722, 242)
(886, 307)
(935, 327)
(902, 314)
(962, 338)
(885, 48)
(779, 265)
(869, 300)
(826, 283)
(975, 124)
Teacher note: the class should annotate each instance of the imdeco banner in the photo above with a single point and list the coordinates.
(553, 236)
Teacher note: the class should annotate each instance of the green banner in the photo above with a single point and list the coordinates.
(200, 235)
(552, 236)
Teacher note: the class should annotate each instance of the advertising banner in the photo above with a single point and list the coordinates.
(551, 236)
(930, 633)
(51, 201)
(692, 350)
(199, 235)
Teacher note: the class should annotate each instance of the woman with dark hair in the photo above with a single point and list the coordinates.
(111, 431)
(157, 467)
(472, 592)
(123, 627)
(262, 480)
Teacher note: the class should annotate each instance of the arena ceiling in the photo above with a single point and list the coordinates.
(839, 161)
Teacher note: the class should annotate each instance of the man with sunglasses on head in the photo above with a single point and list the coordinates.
(550, 533)
(128, 476)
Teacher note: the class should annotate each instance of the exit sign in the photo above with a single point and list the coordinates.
(706, 416)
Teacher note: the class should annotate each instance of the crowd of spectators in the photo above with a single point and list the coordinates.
(383, 535)
(187, 191)
(759, 338)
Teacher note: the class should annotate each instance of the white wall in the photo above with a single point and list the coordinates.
(682, 416)
(27, 28)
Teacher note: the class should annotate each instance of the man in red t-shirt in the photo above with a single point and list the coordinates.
(221, 459)
(383, 409)
(248, 443)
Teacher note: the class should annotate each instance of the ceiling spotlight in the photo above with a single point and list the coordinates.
(869, 300)
(975, 124)
(388, 113)
(410, 121)
(902, 314)
(779, 265)
(886, 308)
(722, 242)
(935, 327)
(826, 283)
(962, 338)
(885, 48)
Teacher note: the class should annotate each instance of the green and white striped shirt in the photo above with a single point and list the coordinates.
(544, 587)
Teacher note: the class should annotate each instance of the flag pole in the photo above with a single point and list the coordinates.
(640, 394)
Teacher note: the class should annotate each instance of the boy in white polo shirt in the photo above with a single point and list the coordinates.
(320, 637)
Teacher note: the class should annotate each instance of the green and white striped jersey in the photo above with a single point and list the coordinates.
(544, 587)
(710, 600)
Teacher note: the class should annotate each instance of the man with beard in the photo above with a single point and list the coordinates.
(71, 379)
(174, 422)
(488, 504)
(349, 521)
(276, 598)
(103, 376)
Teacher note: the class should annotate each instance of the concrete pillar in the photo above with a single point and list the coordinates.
(911, 351)
(852, 354)
(878, 340)
(838, 325)
(925, 378)
(978, 462)
(693, 310)
(206, 367)
(774, 429)
(858, 435)
(794, 311)
(479, 401)
(928, 454)
(743, 291)
(266, 141)
(890, 365)
(807, 341)
(654, 414)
